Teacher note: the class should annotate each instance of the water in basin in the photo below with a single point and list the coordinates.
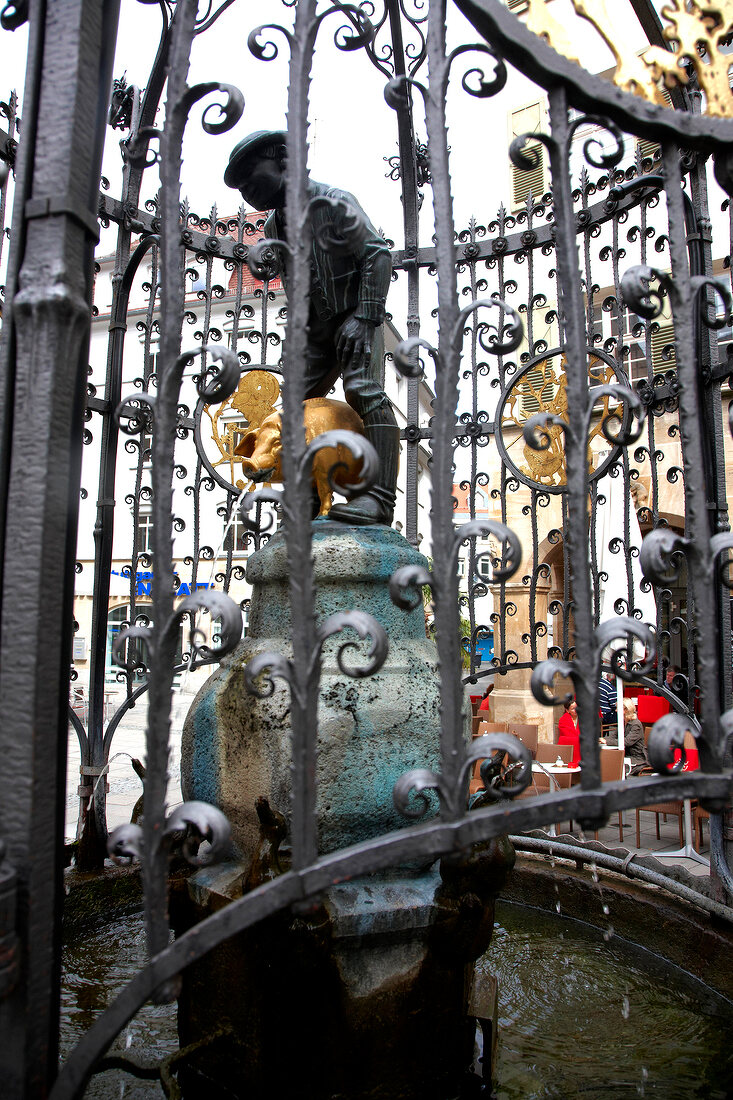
(579, 1018)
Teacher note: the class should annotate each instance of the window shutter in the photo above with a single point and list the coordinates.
(529, 120)
(660, 340)
(537, 391)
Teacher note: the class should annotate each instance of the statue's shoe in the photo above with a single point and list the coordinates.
(361, 511)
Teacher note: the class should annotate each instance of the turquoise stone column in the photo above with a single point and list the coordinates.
(236, 747)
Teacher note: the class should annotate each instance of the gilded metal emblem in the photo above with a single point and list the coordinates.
(696, 32)
(254, 399)
(541, 387)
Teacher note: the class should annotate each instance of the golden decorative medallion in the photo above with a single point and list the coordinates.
(696, 32)
(542, 387)
(254, 399)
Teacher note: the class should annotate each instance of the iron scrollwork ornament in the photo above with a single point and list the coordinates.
(188, 828)
(409, 792)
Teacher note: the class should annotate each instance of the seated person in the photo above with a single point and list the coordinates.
(568, 732)
(485, 703)
(634, 738)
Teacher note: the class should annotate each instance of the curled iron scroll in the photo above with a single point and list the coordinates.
(636, 290)
(618, 629)
(511, 555)
(225, 380)
(499, 344)
(541, 681)
(199, 821)
(260, 672)
(230, 112)
(535, 430)
(485, 88)
(220, 606)
(606, 160)
(264, 259)
(344, 39)
(361, 450)
(251, 500)
(521, 152)
(267, 50)
(406, 357)
(631, 424)
(135, 415)
(662, 553)
(134, 663)
(405, 586)
(366, 626)
(415, 782)
(665, 740)
(483, 747)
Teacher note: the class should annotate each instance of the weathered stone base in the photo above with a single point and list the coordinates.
(364, 998)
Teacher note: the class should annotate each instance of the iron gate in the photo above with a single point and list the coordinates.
(502, 390)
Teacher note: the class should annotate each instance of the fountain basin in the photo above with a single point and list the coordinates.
(563, 1028)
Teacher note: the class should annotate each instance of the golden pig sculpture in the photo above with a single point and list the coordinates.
(260, 448)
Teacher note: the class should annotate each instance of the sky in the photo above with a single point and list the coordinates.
(351, 129)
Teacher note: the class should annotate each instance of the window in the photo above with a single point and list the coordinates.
(484, 565)
(630, 330)
(135, 651)
(144, 533)
(537, 387)
(529, 120)
(236, 536)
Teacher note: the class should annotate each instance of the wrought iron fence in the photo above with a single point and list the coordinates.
(573, 344)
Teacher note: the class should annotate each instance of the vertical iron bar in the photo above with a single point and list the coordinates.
(155, 860)
(410, 210)
(701, 567)
(576, 443)
(447, 618)
(92, 850)
(297, 519)
(72, 44)
(712, 414)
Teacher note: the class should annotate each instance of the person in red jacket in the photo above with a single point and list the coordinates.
(485, 703)
(568, 732)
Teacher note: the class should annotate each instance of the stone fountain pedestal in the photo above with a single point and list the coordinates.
(365, 995)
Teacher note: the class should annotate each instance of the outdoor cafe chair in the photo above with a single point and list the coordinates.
(612, 769)
(675, 809)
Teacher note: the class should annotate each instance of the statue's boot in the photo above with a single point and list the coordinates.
(376, 505)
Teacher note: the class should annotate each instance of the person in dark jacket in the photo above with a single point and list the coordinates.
(348, 291)
(634, 739)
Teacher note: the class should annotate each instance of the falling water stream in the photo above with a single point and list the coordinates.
(579, 1017)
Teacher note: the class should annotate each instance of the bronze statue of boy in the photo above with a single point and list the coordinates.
(348, 291)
